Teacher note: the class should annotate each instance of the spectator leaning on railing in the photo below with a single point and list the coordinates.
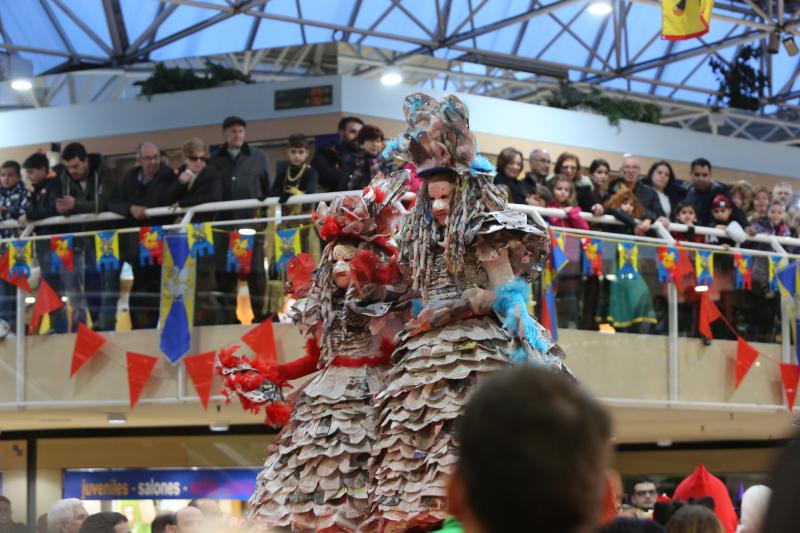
(539, 161)
(14, 199)
(149, 184)
(245, 176)
(330, 161)
(509, 174)
(46, 189)
(631, 167)
(87, 184)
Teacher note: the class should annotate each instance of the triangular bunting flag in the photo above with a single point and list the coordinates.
(47, 301)
(746, 355)
(87, 343)
(261, 339)
(201, 370)
(139, 369)
(708, 314)
(790, 375)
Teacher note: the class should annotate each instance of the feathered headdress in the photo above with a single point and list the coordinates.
(437, 137)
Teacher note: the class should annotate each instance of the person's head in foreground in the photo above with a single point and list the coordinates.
(694, 519)
(106, 522)
(783, 513)
(66, 516)
(534, 450)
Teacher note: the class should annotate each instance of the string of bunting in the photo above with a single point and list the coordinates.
(200, 367)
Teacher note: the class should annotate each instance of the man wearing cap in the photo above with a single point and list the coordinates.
(245, 176)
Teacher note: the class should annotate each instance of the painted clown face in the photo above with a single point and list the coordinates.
(440, 193)
(342, 254)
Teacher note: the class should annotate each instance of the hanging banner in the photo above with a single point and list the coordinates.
(744, 268)
(592, 263)
(21, 259)
(240, 253)
(62, 255)
(709, 313)
(287, 246)
(558, 256)
(685, 19)
(704, 266)
(787, 280)
(628, 260)
(106, 246)
(201, 240)
(776, 262)
(151, 245)
(5, 272)
(668, 264)
(548, 315)
(177, 297)
(47, 301)
(790, 375)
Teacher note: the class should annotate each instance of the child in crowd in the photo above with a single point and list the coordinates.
(630, 305)
(540, 197)
(298, 177)
(14, 199)
(761, 199)
(685, 214)
(722, 217)
(46, 189)
(563, 190)
(775, 221)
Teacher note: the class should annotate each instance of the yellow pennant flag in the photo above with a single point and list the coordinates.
(685, 19)
(287, 245)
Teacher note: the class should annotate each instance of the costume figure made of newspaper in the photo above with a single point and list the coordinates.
(316, 474)
(469, 261)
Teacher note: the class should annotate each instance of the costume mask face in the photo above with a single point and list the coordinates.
(440, 193)
(342, 254)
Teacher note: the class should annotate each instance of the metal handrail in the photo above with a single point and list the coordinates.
(539, 214)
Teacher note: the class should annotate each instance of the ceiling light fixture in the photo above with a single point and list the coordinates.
(391, 77)
(116, 419)
(600, 7)
(247, 231)
(774, 43)
(701, 288)
(21, 85)
(790, 45)
(219, 426)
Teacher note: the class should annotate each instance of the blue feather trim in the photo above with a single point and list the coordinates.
(512, 300)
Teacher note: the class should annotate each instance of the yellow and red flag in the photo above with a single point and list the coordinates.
(685, 19)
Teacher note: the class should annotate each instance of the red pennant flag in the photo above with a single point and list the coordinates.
(87, 343)
(201, 370)
(19, 281)
(139, 369)
(261, 339)
(790, 374)
(47, 301)
(746, 355)
(708, 314)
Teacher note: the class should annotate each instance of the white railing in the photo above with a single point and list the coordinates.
(539, 214)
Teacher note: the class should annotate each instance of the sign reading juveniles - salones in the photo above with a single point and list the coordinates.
(160, 483)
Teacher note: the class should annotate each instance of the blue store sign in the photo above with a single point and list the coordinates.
(160, 483)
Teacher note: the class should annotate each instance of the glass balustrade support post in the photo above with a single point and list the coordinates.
(672, 341)
(20, 341)
(786, 334)
(181, 383)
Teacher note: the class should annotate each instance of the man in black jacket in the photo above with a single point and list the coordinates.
(149, 184)
(329, 161)
(87, 184)
(245, 176)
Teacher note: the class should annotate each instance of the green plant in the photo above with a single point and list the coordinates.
(567, 96)
(173, 79)
(741, 84)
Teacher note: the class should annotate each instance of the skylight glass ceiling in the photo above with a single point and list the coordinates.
(620, 51)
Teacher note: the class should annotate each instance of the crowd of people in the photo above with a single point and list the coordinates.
(535, 455)
(84, 183)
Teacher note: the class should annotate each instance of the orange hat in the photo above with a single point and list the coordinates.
(702, 483)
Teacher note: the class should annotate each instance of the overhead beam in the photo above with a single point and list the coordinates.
(116, 27)
(163, 13)
(83, 26)
(58, 27)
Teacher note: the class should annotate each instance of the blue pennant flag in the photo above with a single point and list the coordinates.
(177, 297)
(787, 279)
